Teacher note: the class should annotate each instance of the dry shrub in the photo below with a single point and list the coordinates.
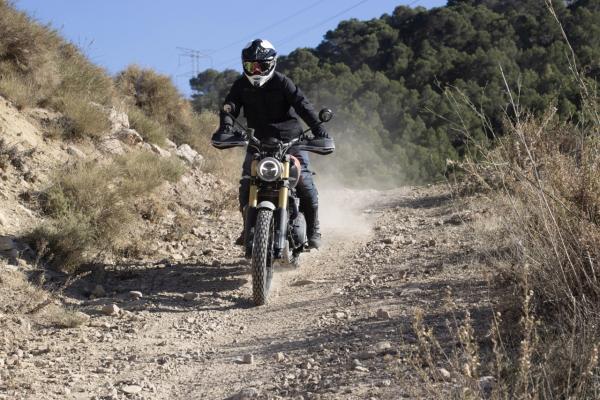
(20, 89)
(38, 68)
(158, 111)
(153, 93)
(92, 206)
(82, 119)
(151, 130)
(28, 69)
(544, 174)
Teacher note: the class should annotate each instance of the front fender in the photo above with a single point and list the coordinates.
(267, 205)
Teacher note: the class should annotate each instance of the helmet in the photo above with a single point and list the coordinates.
(258, 60)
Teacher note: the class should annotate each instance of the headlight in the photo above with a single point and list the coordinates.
(269, 169)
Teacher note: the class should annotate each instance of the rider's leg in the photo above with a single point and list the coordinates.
(309, 201)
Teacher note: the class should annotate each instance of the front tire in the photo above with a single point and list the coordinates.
(262, 256)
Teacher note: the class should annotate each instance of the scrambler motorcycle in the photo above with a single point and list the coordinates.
(274, 226)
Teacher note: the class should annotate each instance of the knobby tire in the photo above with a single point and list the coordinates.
(262, 257)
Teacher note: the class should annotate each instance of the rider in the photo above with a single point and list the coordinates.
(272, 104)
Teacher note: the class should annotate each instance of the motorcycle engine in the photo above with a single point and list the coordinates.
(298, 226)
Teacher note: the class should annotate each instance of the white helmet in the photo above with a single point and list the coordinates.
(258, 61)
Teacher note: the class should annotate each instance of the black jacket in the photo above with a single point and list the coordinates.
(273, 109)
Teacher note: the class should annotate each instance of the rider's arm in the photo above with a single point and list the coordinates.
(234, 100)
(303, 107)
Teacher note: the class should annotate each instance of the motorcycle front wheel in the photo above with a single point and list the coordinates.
(262, 256)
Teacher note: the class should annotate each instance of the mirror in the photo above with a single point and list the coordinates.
(325, 115)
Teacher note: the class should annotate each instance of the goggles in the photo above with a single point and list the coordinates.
(257, 67)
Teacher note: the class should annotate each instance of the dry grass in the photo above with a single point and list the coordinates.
(38, 68)
(20, 298)
(92, 207)
(545, 176)
(151, 130)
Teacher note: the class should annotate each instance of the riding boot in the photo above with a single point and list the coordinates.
(313, 231)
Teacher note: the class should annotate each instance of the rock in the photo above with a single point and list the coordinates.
(177, 257)
(111, 146)
(383, 314)
(111, 309)
(279, 357)
(159, 150)
(190, 296)
(118, 120)
(248, 359)
(188, 154)
(445, 374)
(131, 389)
(385, 383)
(99, 291)
(129, 136)
(6, 243)
(383, 347)
(135, 295)
(245, 394)
(388, 240)
(340, 315)
(75, 152)
(360, 368)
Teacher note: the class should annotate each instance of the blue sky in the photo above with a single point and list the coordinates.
(116, 33)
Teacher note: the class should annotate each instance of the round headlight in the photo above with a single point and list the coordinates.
(269, 169)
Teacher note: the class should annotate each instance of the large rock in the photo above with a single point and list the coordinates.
(188, 154)
(129, 136)
(111, 146)
(118, 120)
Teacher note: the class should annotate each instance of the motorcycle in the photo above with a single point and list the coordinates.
(274, 226)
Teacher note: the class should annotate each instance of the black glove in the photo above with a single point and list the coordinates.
(319, 132)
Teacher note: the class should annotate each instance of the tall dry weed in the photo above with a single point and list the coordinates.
(544, 174)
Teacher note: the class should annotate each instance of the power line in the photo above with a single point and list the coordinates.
(195, 56)
(323, 22)
(253, 35)
(293, 36)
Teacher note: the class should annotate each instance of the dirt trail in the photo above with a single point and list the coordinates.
(338, 327)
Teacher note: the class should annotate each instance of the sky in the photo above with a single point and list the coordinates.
(159, 34)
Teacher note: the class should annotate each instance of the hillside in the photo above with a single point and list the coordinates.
(411, 87)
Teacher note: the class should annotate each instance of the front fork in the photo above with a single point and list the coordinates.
(281, 214)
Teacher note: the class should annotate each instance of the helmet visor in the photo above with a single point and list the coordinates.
(257, 67)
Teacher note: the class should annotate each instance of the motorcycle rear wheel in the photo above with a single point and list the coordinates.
(262, 257)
